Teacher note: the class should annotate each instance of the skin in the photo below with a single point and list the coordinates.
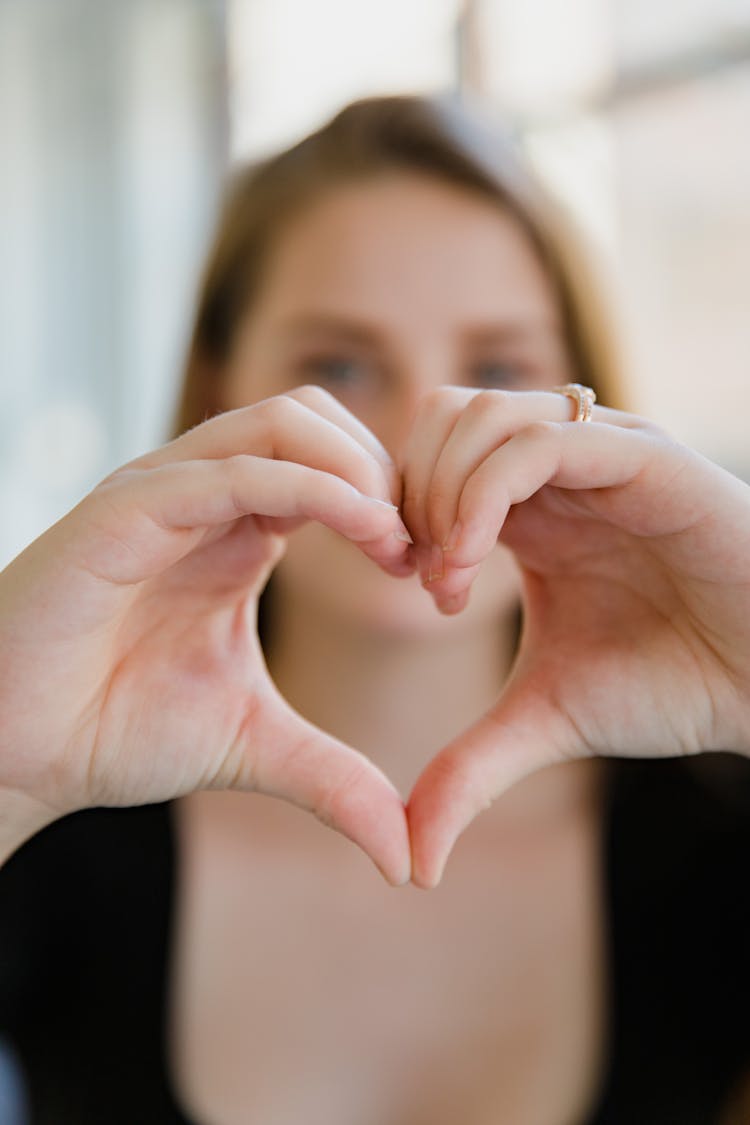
(127, 633)
(375, 663)
(129, 671)
(348, 301)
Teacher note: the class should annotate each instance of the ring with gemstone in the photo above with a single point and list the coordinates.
(583, 397)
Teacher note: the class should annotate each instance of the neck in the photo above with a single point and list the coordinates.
(398, 699)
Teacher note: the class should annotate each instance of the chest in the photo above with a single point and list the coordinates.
(304, 988)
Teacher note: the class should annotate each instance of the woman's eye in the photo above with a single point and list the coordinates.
(336, 371)
(497, 373)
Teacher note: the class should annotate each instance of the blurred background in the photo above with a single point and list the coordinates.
(119, 119)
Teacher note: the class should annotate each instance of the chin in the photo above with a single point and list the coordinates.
(335, 580)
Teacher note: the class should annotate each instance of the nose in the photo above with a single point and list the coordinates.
(398, 409)
(398, 425)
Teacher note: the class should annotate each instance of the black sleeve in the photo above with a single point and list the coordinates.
(678, 868)
(85, 913)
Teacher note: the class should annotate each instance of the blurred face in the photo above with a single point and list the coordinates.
(381, 291)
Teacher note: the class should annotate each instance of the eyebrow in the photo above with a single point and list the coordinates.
(306, 323)
(483, 333)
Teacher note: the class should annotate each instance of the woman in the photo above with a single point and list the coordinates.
(387, 317)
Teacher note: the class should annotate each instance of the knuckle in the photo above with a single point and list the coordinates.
(233, 465)
(278, 412)
(332, 801)
(454, 774)
(233, 469)
(310, 394)
(493, 400)
(440, 401)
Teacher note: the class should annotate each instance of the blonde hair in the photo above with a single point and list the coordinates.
(436, 136)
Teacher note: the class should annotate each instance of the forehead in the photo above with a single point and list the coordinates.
(406, 247)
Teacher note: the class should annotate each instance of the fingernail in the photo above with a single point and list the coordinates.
(382, 503)
(423, 563)
(452, 541)
(437, 564)
(403, 536)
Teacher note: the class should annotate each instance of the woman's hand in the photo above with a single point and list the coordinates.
(635, 555)
(130, 670)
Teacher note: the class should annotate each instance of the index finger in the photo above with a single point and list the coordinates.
(283, 426)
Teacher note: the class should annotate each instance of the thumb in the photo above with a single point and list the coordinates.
(288, 757)
(521, 734)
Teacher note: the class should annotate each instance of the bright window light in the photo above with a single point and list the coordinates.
(292, 63)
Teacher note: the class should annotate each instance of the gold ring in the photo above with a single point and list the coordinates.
(584, 398)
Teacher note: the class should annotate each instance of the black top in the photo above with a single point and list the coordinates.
(86, 908)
